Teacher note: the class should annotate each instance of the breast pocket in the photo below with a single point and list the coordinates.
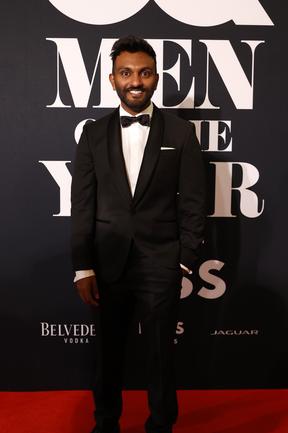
(168, 160)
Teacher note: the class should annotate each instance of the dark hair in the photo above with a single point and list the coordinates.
(132, 44)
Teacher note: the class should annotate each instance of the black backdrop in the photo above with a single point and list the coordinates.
(233, 315)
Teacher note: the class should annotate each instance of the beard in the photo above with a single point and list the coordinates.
(136, 103)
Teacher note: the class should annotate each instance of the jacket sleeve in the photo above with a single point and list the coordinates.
(191, 200)
(83, 206)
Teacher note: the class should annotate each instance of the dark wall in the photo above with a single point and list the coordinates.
(233, 314)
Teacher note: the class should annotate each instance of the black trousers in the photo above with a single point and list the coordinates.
(155, 292)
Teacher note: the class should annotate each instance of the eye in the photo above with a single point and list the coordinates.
(146, 73)
(124, 73)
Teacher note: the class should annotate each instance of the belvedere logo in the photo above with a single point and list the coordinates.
(73, 333)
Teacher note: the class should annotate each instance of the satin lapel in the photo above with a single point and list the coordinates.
(116, 158)
(151, 154)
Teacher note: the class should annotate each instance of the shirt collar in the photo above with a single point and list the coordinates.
(148, 110)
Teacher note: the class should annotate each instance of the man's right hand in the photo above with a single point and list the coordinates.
(88, 290)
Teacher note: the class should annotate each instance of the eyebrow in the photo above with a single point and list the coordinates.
(129, 68)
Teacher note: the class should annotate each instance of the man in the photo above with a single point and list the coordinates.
(138, 210)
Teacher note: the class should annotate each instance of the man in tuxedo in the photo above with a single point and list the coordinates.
(138, 211)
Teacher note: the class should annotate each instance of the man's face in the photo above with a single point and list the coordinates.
(135, 79)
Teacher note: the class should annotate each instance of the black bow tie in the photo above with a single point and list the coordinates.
(143, 119)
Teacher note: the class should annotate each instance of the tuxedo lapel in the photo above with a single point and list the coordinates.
(116, 158)
(151, 154)
(150, 157)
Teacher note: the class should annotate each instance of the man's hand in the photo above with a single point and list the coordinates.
(88, 290)
(184, 272)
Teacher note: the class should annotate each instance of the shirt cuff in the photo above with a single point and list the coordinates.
(83, 274)
(186, 269)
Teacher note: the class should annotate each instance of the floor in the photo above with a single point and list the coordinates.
(241, 411)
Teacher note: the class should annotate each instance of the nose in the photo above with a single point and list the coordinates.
(136, 80)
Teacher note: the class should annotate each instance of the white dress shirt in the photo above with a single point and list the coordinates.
(134, 139)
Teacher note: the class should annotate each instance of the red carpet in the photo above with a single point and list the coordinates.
(253, 411)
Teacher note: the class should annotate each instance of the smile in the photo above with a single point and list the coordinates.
(136, 92)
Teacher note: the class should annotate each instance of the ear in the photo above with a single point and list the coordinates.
(111, 79)
(156, 81)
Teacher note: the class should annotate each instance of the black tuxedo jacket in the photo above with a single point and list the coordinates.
(165, 217)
